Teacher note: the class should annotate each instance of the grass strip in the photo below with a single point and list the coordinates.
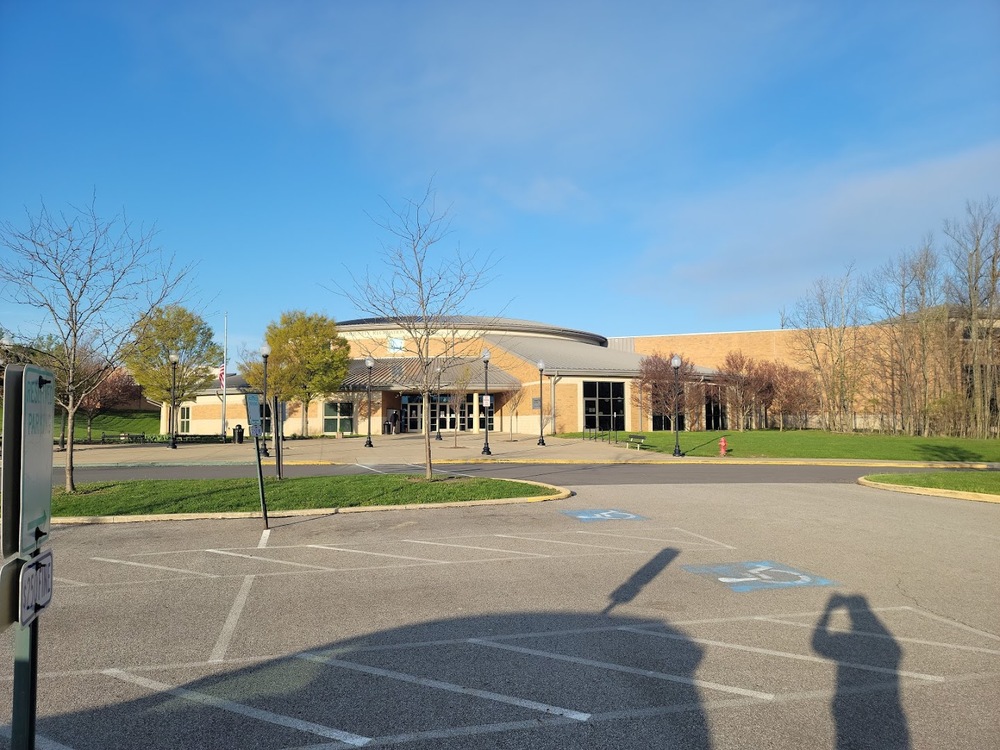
(147, 496)
(820, 444)
(982, 482)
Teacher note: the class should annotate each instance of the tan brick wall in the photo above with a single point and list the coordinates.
(710, 349)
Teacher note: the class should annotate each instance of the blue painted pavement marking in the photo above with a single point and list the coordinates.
(761, 574)
(604, 515)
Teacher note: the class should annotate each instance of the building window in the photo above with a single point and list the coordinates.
(469, 418)
(185, 425)
(604, 405)
(338, 416)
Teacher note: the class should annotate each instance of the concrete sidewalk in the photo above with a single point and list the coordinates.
(409, 449)
(388, 449)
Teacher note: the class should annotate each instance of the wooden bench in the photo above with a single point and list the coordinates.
(636, 440)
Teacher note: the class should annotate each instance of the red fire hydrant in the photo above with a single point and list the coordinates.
(723, 447)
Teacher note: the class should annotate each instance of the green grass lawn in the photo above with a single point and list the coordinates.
(984, 482)
(224, 495)
(821, 444)
(135, 422)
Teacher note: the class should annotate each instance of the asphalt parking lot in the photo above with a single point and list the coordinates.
(779, 615)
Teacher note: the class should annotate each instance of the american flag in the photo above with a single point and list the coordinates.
(222, 376)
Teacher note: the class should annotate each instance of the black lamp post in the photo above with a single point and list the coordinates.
(173, 398)
(541, 413)
(265, 352)
(486, 401)
(675, 362)
(369, 363)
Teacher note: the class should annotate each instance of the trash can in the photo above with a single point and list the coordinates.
(238, 433)
(386, 427)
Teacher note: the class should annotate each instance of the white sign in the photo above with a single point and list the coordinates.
(36, 587)
(37, 415)
(486, 401)
(253, 415)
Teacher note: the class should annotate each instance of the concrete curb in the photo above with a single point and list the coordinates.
(559, 493)
(931, 491)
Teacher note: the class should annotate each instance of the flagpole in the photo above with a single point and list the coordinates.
(225, 360)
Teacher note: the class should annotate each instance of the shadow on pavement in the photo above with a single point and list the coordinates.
(863, 717)
(522, 679)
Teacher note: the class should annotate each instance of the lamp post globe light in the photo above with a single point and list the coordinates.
(173, 398)
(675, 362)
(265, 352)
(486, 400)
(369, 363)
(541, 413)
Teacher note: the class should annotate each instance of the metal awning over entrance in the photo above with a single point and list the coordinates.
(405, 374)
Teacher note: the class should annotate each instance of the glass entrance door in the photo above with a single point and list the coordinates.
(412, 416)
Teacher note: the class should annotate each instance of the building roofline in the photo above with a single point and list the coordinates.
(481, 324)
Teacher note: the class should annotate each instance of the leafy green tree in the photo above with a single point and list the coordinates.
(308, 359)
(173, 329)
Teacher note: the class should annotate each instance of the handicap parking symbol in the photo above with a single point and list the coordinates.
(756, 575)
(603, 515)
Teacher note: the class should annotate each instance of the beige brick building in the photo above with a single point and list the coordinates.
(586, 381)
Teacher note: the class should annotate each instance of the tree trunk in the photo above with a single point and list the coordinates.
(70, 415)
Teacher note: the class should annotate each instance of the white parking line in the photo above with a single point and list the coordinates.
(556, 541)
(447, 686)
(687, 544)
(70, 581)
(239, 708)
(627, 670)
(265, 535)
(707, 539)
(883, 636)
(155, 567)
(268, 559)
(468, 546)
(41, 743)
(372, 468)
(785, 654)
(953, 623)
(222, 645)
(377, 554)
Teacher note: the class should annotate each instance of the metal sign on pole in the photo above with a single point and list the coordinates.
(25, 516)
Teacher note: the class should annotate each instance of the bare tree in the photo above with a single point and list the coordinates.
(795, 394)
(974, 288)
(832, 342)
(92, 278)
(511, 404)
(422, 286)
(738, 374)
(906, 296)
(657, 388)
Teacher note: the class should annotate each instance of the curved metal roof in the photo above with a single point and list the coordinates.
(478, 323)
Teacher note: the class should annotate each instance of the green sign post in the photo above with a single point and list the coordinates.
(25, 516)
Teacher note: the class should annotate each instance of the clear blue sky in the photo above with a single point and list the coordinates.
(636, 168)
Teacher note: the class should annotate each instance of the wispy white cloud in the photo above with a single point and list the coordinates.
(765, 240)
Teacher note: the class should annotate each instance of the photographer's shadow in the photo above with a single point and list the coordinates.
(867, 711)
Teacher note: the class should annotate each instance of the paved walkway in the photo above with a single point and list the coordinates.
(409, 449)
